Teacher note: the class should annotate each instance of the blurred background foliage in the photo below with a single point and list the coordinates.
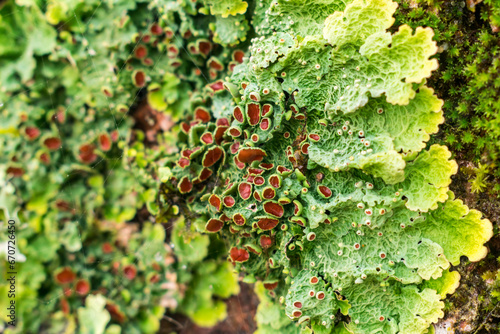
(80, 147)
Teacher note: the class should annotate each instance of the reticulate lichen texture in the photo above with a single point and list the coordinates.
(310, 160)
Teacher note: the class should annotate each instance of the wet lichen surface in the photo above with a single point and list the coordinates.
(310, 160)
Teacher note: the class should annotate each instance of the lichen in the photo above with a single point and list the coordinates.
(317, 175)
